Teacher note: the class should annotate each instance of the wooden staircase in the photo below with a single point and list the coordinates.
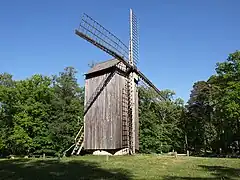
(79, 141)
(130, 115)
(125, 116)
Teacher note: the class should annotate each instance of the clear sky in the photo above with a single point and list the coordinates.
(180, 41)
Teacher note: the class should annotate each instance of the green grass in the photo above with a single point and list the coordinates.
(121, 167)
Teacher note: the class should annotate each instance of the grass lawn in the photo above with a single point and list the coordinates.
(121, 167)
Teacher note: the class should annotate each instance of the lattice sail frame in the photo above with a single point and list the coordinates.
(96, 32)
(134, 40)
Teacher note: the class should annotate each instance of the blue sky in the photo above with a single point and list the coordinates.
(180, 41)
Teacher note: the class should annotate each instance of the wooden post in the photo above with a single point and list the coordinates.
(175, 154)
(132, 89)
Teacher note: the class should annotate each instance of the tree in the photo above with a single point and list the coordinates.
(227, 101)
(31, 118)
(7, 109)
(67, 109)
(159, 121)
(214, 109)
(199, 126)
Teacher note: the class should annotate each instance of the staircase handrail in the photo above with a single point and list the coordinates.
(75, 140)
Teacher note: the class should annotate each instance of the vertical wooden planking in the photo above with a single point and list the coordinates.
(105, 125)
(106, 128)
(108, 124)
(122, 86)
(137, 120)
(110, 144)
(113, 113)
(88, 115)
(90, 118)
(99, 120)
(85, 118)
(95, 119)
(118, 111)
(104, 119)
(117, 127)
(91, 115)
(98, 117)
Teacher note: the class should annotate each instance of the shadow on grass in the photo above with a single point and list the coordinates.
(219, 172)
(53, 169)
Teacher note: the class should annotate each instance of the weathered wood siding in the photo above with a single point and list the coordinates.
(103, 121)
(136, 120)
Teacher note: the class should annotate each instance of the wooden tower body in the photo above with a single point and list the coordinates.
(107, 124)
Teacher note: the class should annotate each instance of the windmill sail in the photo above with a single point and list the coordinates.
(134, 39)
(96, 34)
(92, 31)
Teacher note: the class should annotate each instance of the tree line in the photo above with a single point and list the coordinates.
(213, 110)
(208, 124)
(41, 114)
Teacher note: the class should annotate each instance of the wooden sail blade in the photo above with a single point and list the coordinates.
(134, 39)
(102, 47)
(93, 32)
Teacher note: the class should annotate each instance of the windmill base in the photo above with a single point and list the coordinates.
(120, 152)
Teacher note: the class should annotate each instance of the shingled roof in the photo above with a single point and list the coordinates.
(103, 65)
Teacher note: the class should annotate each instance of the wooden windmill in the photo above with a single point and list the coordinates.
(111, 96)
